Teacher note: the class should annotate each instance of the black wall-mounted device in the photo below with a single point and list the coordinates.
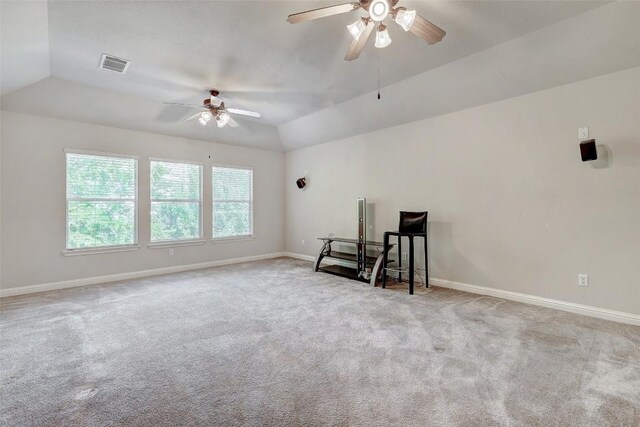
(301, 182)
(588, 150)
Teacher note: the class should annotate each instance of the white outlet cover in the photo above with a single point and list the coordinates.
(583, 280)
(583, 133)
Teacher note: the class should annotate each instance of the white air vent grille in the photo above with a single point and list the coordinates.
(113, 63)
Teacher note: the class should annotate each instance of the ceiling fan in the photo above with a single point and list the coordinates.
(213, 107)
(378, 10)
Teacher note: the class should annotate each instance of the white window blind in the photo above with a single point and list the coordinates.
(232, 190)
(101, 200)
(176, 200)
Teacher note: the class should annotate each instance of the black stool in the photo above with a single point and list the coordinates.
(412, 224)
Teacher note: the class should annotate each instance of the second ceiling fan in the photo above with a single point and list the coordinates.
(214, 108)
(378, 10)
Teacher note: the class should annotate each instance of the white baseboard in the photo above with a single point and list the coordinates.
(132, 275)
(586, 310)
(302, 257)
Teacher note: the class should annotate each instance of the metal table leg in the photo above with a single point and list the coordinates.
(399, 259)
(385, 260)
(375, 272)
(411, 268)
(323, 251)
(426, 263)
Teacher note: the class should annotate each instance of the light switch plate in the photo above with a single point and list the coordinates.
(583, 133)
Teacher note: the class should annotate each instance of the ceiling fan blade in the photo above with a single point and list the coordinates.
(357, 45)
(244, 112)
(195, 116)
(183, 105)
(431, 33)
(233, 123)
(215, 101)
(322, 12)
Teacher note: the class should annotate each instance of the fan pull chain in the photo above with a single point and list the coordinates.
(378, 73)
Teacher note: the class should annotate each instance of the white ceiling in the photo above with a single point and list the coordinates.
(246, 49)
(24, 44)
(597, 42)
(68, 100)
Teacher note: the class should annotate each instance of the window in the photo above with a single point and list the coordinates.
(176, 198)
(101, 200)
(232, 202)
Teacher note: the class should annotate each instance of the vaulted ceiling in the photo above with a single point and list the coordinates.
(294, 75)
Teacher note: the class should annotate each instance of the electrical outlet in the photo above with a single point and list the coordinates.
(583, 280)
(404, 256)
(583, 133)
(171, 252)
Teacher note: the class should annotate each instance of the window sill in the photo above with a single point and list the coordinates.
(232, 239)
(176, 243)
(103, 250)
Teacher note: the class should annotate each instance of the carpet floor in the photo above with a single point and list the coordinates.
(271, 343)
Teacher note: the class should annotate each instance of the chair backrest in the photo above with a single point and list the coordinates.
(413, 222)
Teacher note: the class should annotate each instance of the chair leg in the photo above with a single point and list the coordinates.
(399, 259)
(385, 260)
(410, 265)
(426, 263)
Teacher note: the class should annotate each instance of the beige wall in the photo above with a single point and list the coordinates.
(33, 199)
(511, 206)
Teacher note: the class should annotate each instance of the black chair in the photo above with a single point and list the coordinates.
(412, 224)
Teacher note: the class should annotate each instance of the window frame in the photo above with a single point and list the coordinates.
(177, 242)
(107, 248)
(251, 235)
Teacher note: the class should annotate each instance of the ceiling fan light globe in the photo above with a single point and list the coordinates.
(382, 38)
(405, 18)
(206, 116)
(357, 28)
(202, 121)
(378, 10)
(222, 119)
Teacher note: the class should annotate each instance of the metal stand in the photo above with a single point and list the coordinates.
(367, 268)
(374, 262)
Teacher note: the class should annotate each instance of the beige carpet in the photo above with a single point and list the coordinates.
(273, 344)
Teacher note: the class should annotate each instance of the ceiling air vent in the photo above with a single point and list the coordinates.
(113, 63)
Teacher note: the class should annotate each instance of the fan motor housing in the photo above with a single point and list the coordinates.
(366, 3)
(207, 104)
